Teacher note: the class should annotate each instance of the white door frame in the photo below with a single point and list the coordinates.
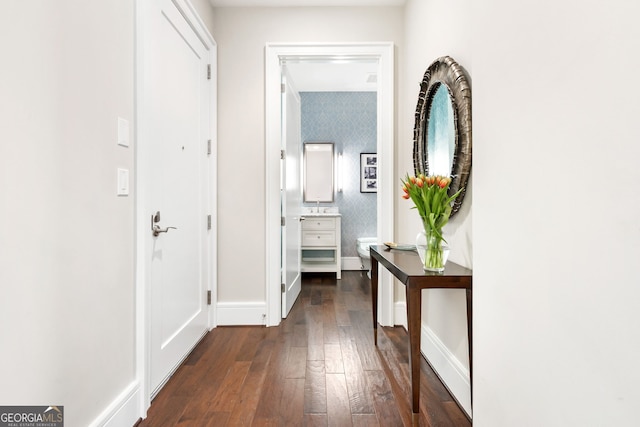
(275, 53)
(142, 147)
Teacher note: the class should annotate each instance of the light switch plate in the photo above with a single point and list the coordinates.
(123, 132)
(123, 182)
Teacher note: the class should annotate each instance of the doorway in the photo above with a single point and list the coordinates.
(276, 54)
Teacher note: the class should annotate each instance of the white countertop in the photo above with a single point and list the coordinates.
(322, 214)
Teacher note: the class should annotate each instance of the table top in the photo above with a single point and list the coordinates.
(407, 267)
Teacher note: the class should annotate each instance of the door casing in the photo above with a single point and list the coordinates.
(142, 147)
(383, 53)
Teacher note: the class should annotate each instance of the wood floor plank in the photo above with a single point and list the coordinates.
(315, 420)
(398, 380)
(329, 322)
(300, 336)
(271, 394)
(216, 419)
(292, 403)
(342, 314)
(247, 404)
(315, 388)
(315, 352)
(333, 359)
(172, 411)
(383, 399)
(315, 326)
(296, 362)
(245, 408)
(338, 409)
(365, 420)
(359, 395)
(368, 357)
(227, 395)
(254, 337)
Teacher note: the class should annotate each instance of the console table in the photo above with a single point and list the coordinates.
(407, 267)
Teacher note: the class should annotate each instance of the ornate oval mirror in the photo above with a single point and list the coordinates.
(442, 131)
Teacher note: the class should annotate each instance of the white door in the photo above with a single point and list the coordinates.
(291, 190)
(176, 98)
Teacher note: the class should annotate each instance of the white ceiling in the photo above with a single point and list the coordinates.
(300, 3)
(340, 76)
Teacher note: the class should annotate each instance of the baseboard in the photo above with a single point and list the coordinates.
(400, 314)
(240, 313)
(123, 411)
(351, 263)
(451, 372)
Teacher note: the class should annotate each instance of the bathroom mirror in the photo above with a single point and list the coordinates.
(318, 172)
(442, 130)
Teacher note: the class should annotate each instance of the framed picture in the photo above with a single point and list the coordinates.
(368, 173)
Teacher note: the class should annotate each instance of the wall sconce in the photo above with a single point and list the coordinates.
(339, 173)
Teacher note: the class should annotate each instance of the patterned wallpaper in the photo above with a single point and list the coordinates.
(349, 120)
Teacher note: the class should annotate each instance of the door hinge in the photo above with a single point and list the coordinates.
(208, 297)
(283, 155)
(282, 221)
(282, 287)
(208, 71)
(208, 147)
(208, 222)
(282, 87)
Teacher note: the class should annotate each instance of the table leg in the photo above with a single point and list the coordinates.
(414, 308)
(469, 337)
(374, 298)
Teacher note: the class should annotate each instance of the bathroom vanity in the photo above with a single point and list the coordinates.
(320, 246)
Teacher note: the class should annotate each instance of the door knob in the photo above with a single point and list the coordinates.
(157, 229)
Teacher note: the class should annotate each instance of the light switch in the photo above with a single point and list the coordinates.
(123, 132)
(123, 182)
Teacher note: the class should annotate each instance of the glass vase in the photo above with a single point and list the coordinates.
(433, 250)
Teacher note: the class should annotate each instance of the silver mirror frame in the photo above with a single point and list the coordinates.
(445, 71)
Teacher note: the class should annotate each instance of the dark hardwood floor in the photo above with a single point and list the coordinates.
(318, 368)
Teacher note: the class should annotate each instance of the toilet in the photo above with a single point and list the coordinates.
(362, 246)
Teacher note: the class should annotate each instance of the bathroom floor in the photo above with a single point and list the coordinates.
(319, 367)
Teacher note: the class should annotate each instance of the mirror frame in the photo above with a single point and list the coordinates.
(445, 71)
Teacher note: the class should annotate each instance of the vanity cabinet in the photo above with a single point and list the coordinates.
(320, 244)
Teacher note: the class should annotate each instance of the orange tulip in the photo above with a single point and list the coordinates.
(419, 182)
(405, 196)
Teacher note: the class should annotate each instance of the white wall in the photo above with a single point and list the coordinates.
(205, 12)
(66, 251)
(433, 29)
(556, 213)
(241, 34)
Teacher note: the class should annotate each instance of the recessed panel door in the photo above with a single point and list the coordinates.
(177, 98)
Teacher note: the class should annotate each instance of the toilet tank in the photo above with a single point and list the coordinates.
(365, 242)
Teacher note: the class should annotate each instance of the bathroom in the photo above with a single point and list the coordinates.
(345, 115)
